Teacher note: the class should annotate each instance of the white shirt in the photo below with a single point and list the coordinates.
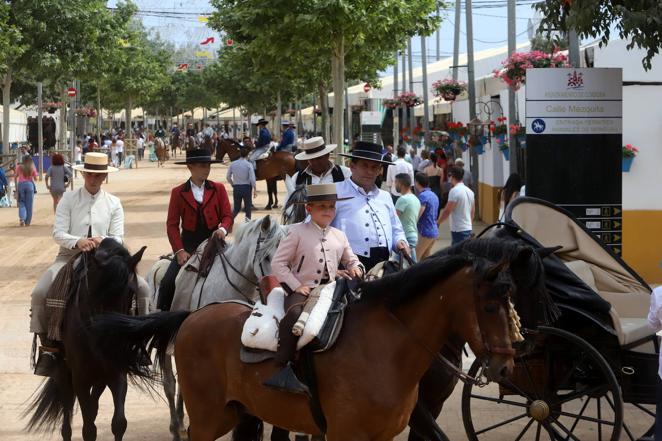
(120, 146)
(399, 166)
(78, 210)
(324, 178)
(198, 192)
(655, 318)
(78, 154)
(368, 219)
(460, 218)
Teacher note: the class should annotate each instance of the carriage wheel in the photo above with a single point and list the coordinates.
(562, 390)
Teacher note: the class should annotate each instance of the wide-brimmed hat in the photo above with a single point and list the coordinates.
(367, 150)
(198, 156)
(322, 193)
(95, 163)
(261, 121)
(314, 148)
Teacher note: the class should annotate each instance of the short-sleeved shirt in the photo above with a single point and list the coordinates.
(460, 219)
(56, 173)
(409, 206)
(427, 223)
(22, 178)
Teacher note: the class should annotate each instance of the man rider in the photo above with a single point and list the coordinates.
(83, 218)
(320, 169)
(201, 208)
(368, 219)
(263, 141)
(288, 141)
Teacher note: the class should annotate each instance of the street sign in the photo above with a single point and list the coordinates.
(71, 92)
(367, 87)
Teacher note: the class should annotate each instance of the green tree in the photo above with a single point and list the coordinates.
(299, 34)
(638, 21)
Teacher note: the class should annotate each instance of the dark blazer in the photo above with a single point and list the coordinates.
(183, 210)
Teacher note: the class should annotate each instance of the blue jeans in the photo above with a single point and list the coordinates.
(459, 236)
(25, 201)
(242, 192)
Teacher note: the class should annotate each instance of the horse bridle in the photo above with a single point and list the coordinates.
(458, 372)
(225, 262)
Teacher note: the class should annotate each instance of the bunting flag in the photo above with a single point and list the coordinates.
(208, 40)
(203, 54)
(203, 19)
(183, 66)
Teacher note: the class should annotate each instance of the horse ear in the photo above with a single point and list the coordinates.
(136, 257)
(265, 225)
(494, 270)
(547, 251)
(523, 255)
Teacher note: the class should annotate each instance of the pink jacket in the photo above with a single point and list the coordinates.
(302, 254)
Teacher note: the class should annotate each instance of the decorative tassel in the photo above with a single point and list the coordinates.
(515, 324)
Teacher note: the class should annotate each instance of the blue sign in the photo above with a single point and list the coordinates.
(538, 125)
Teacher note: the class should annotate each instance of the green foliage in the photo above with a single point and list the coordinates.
(11, 44)
(638, 21)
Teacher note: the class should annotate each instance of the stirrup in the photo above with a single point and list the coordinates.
(46, 362)
(286, 380)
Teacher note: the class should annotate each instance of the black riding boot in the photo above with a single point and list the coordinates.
(286, 380)
(47, 359)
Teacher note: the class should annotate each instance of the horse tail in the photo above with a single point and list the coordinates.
(124, 340)
(53, 402)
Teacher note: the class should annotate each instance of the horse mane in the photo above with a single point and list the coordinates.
(530, 279)
(294, 211)
(404, 286)
(114, 259)
(271, 239)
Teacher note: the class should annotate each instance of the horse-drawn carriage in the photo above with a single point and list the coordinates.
(592, 376)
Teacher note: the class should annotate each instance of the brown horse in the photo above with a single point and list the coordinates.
(160, 151)
(175, 143)
(277, 165)
(367, 384)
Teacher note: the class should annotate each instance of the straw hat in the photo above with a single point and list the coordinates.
(95, 163)
(314, 148)
(322, 193)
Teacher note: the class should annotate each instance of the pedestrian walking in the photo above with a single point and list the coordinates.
(140, 144)
(428, 231)
(435, 175)
(468, 179)
(120, 152)
(25, 188)
(425, 160)
(57, 178)
(242, 178)
(78, 153)
(509, 192)
(408, 208)
(399, 166)
(460, 207)
(414, 159)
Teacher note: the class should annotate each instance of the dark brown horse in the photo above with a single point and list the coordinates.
(368, 383)
(175, 143)
(272, 169)
(104, 282)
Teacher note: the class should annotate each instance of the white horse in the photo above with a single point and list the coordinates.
(233, 275)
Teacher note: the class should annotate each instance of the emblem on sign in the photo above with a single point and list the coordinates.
(575, 80)
(538, 125)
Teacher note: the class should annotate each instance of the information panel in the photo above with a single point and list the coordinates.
(574, 141)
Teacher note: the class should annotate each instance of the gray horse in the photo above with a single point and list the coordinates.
(233, 275)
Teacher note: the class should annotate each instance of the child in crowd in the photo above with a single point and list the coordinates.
(306, 258)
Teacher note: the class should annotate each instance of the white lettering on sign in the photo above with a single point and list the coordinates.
(592, 212)
(593, 225)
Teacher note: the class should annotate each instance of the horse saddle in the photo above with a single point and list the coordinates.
(321, 328)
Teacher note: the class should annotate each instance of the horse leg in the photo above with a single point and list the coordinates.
(278, 434)
(211, 422)
(249, 428)
(88, 409)
(180, 415)
(68, 400)
(118, 388)
(169, 387)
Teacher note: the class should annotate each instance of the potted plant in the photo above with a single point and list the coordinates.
(514, 68)
(629, 153)
(499, 129)
(476, 143)
(410, 99)
(519, 132)
(448, 89)
(503, 148)
(391, 103)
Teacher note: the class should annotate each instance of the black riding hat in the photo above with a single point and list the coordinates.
(198, 156)
(366, 150)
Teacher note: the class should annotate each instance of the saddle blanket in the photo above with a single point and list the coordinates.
(261, 328)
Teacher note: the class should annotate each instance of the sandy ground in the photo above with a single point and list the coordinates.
(26, 251)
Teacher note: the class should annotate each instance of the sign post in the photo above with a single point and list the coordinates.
(574, 141)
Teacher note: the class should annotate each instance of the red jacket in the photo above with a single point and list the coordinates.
(184, 210)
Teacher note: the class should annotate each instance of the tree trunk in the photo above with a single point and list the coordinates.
(338, 73)
(127, 119)
(63, 118)
(6, 98)
(324, 107)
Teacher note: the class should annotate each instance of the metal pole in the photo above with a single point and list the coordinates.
(404, 70)
(426, 107)
(412, 117)
(456, 37)
(512, 103)
(40, 128)
(348, 119)
(439, 35)
(395, 111)
(314, 115)
(472, 98)
(573, 48)
(72, 103)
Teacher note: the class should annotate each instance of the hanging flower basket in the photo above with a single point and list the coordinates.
(317, 111)
(391, 103)
(410, 99)
(499, 129)
(629, 153)
(86, 112)
(514, 68)
(449, 89)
